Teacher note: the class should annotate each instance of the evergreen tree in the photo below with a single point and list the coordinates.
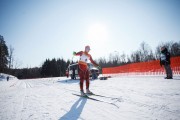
(54, 68)
(45, 68)
(3, 55)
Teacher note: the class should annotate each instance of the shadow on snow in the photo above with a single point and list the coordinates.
(68, 81)
(71, 81)
(75, 111)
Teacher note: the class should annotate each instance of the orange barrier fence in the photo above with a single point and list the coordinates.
(144, 68)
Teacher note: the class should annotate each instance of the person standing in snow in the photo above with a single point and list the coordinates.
(83, 69)
(165, 61)
(67, 73)
(7, 78)
(73, 73)
(94, 75)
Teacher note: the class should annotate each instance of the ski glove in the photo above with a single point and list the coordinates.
(74, 53)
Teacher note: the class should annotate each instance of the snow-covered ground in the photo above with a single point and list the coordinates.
(137, 98)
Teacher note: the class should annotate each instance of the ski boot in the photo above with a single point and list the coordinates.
(168, 78)
(83, 94)
(89, 92)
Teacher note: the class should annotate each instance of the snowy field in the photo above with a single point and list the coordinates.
(135, 97)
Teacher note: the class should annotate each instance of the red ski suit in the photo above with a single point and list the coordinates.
(83, 68)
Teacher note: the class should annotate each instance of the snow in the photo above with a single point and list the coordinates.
(4, 76)
(138, 98)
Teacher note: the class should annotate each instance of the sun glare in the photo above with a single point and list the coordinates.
(97, 38)
(97, 33)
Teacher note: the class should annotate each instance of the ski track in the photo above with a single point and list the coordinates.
(138, 97)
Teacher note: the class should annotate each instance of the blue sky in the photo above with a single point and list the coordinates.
(40, 29)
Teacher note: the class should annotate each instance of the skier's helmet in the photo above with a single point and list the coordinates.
(87, 48)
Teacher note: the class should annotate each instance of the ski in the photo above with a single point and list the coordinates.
(103, 78)
(96, 100)
(101, 96)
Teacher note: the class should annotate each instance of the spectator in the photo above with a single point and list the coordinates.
(73, 73)
(165, 61)
(67, 73)
(94, 75)
(7, 78)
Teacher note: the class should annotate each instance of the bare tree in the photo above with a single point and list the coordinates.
(175, 49)
(135, 56)
(11, 57)
(157, 52)
(145, 52)
(123, 58)
(17, 64)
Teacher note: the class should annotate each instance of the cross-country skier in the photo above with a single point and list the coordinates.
(83, 69)
(165, 61)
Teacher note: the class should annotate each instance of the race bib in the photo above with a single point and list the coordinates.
(163, 57)
(84, 58)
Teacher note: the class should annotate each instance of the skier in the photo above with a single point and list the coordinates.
(83, 68)
(165, 61)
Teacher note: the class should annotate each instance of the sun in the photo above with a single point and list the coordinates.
(97, 38)
(97, 33)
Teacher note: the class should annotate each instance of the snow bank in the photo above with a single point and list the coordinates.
(3, 77)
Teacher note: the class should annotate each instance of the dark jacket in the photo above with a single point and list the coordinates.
(165, 57)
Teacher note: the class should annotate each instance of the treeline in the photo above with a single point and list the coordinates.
(26, 73)
(54, 68)
(50, 68)
(57, 67)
